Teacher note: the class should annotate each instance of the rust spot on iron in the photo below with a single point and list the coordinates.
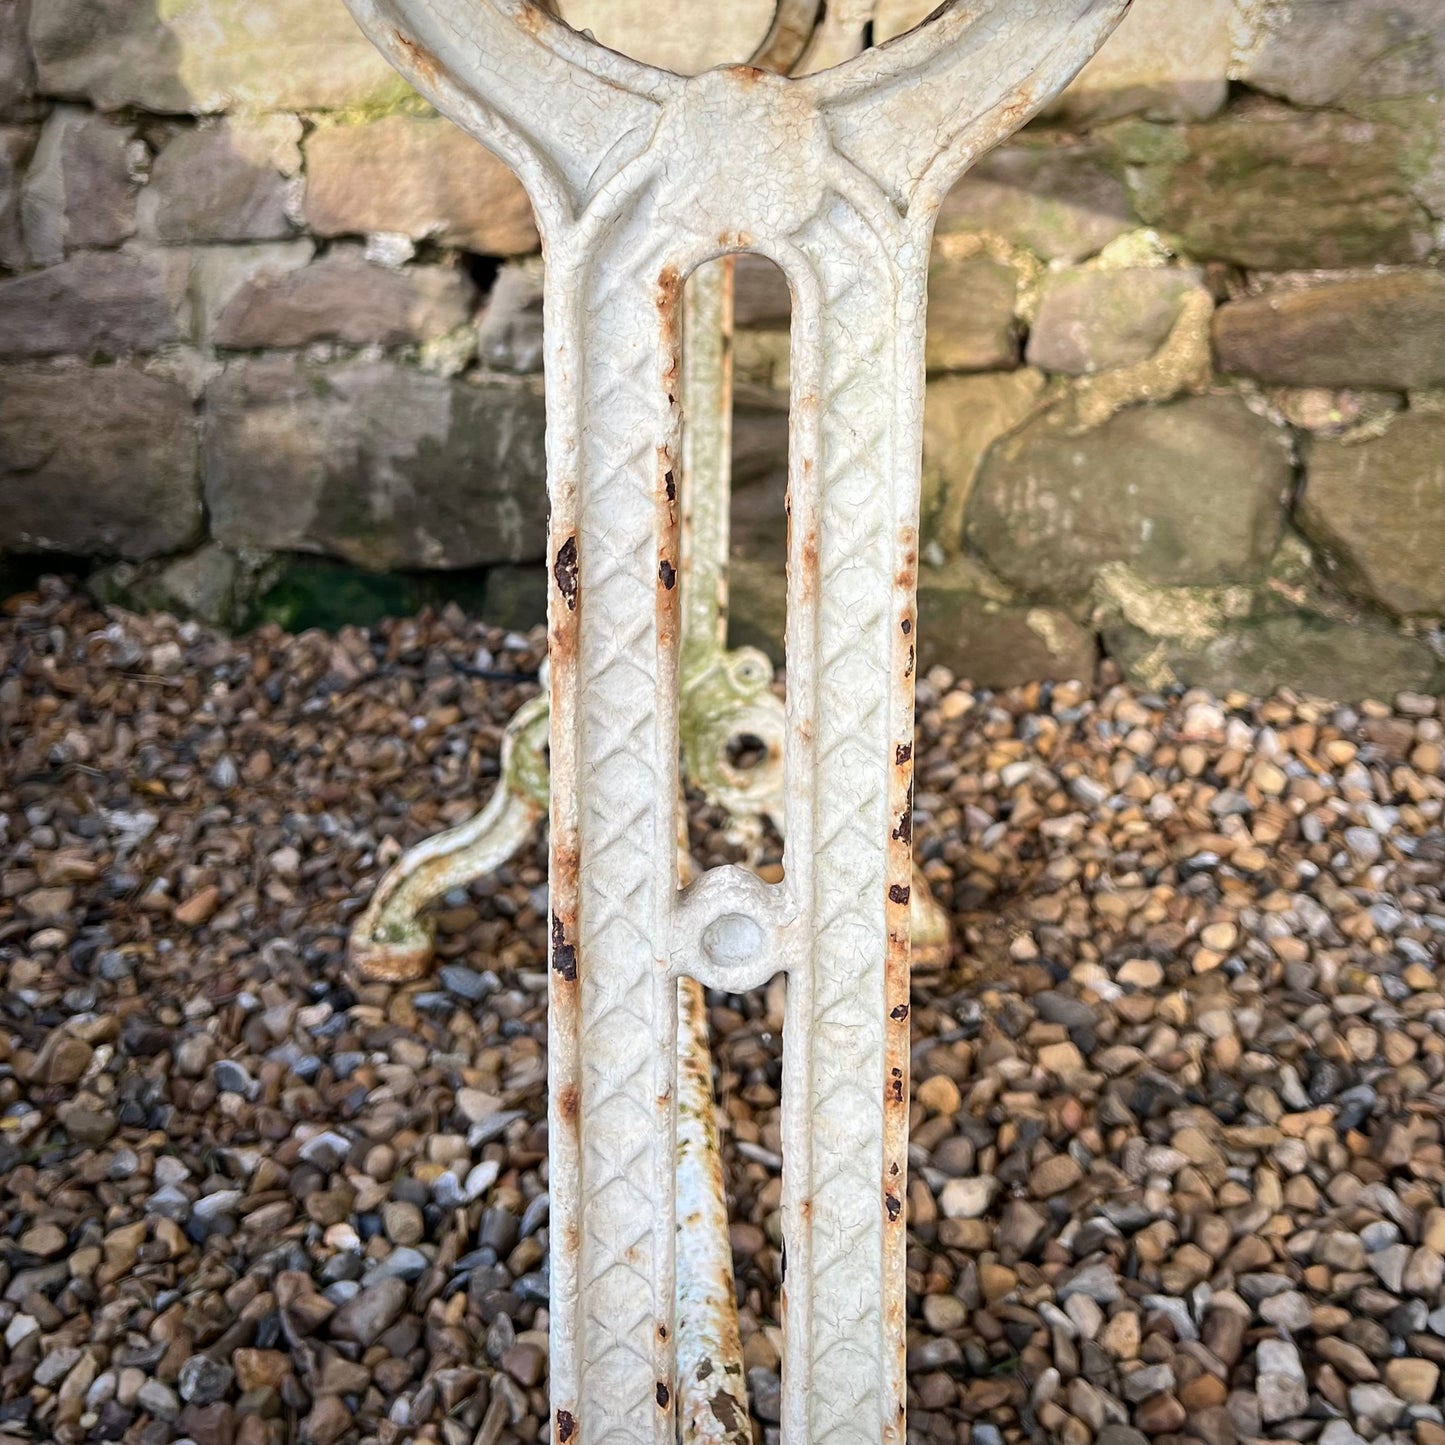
(907, 577)
(900, 1013)
(669, 288)
(907, 625)
(903, 833)
(903, 753)
(899, 893)
(664, 1395)
(421, 60)
(564, 862)
(566, 1425)
(564, 954)
(668, 573)
(564, 569)
(808, 582)
(568, 1104)
(669, 480)
(894, 1207)
(908, 666)
(662, 1332)
(896, 1086)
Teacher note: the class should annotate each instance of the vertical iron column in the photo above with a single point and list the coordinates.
(639, 176)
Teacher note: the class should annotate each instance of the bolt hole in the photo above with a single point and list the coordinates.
(746, 751)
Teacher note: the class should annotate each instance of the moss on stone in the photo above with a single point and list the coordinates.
(1270, 187)
(315, 592)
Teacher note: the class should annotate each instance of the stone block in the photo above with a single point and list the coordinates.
(760, 452)
(892, 18)
(1276, 189)
(964, 624)
(993, 643)
(1344, 661)
(963, 416)
(1168, 59)
(1325, 55)
(516, 597)
(509, 333)
(204, 56)
(761, 298)
(213, 585)
(98, 302)
(219, 274)
(1062, 199)
(699, 38)
(81, 187)
(1192, 493)
(1384, 331)
(1091, 321)
(224, 182)
(971, 322)
(17, 66)
(17, 145)
(762, 363)
(96, 461)
(417, 177)
(344, 297)
(757, 605)
(374, 462)
(1375, 506)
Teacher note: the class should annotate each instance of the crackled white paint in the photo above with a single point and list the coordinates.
(638, 176)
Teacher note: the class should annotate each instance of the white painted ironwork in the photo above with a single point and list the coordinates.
(638, 176)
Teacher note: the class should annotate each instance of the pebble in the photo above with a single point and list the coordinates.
(1097, 1282)
(403, 1222)
(1054, 1175)
(232, 1078)
(202, 1380)
(939, 1095)
(1375, 1406)
(1290, 1310)
(158, 1399)
(364, 1318)
(967, 1198)
(1280, 1381)
(46, 1240)
(1415, 1381)
(467, 984)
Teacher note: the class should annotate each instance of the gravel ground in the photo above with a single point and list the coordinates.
(1179, 1107)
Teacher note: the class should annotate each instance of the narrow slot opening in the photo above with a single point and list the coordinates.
(734, 595)
(733, 510)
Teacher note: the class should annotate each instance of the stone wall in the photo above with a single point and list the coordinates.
(1186, 346)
